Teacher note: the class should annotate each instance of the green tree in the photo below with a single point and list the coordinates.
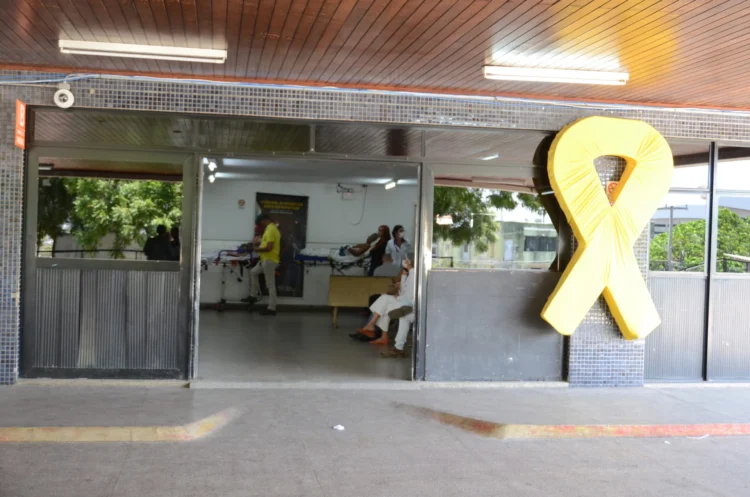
(688, 243)
(55, 204)
(687, 246)
(472, 211)
(129, 210)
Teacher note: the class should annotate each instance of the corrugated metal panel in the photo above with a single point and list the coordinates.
(153, 320)
(104, 319)
(729, 357)
(57, 317)
(674, 351)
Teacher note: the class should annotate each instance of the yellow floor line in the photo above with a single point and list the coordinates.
(520, 431)
(182, 433)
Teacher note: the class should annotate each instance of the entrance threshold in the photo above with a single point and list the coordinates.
(371, 385)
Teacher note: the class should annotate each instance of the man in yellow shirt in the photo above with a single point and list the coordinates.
(269, 249)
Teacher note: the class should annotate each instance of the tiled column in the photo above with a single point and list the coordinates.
(598, 354)
(11, 211)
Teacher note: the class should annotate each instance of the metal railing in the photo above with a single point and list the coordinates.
(82, 254)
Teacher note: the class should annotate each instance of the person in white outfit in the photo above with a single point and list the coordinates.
(398, 246)
(387, 306)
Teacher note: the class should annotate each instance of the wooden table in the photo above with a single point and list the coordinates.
(354, 291)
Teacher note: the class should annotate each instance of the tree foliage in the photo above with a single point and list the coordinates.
(472, 211)
(688, 243)
(55, 204)
(95, 208)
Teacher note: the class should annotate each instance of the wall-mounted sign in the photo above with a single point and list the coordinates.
(241, 203)
(604, 262)
(20, 124)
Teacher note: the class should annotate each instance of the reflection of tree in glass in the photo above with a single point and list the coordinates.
(688, 241)
(129, 210)
(471, 210)
(55, 205)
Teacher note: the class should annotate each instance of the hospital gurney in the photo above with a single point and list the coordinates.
(337, 259)
(231, 265)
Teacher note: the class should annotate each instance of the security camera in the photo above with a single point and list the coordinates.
(64, 98)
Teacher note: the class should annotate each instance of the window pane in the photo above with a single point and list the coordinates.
(92, 218)
(488, 228)
(733, 238)
(690, 165)
(678, 234)
(733, 169)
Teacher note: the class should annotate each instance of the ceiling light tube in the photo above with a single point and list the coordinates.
(211, 178)
(212, 166)
(143, 51)
(555, 75)
(390, 184)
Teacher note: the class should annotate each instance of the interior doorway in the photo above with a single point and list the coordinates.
(326, 212)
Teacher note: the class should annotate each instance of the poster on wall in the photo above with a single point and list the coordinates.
(289, 212)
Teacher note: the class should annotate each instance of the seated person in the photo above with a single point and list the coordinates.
(388, 269)
(383, 309)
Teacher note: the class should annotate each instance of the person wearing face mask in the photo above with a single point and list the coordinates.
(388, 307)
(398, 246)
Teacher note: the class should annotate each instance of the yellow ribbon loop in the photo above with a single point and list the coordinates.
(604, 262)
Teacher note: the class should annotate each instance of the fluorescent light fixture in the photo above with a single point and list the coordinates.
(143, 51)
(212, 166)
(490, 157)
(211, 178)
(555, 75)
(391, 184)
(205, 161)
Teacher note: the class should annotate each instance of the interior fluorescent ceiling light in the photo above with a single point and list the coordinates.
(390, 184)
(555, 75)
(143, 51)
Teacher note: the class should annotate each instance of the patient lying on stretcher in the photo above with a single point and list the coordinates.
(361, 248)
(248, 248)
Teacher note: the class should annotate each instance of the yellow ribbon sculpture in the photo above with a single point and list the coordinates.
(604, 261)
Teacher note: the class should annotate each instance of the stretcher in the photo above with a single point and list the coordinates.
(232, 264)
(337, 259)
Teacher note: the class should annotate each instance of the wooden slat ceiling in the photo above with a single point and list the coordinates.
(677, 51)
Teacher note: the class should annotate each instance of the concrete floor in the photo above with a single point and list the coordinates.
(282, 444)
(237, 346)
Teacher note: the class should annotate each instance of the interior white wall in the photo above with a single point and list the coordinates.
(331, 222)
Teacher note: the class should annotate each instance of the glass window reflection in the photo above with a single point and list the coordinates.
(733, 238)
(678, 234)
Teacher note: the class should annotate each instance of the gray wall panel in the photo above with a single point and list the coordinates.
(674, 351)
(99, 319)
(70, 303)
(729, 340)
(136, 320)
(485, 325)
